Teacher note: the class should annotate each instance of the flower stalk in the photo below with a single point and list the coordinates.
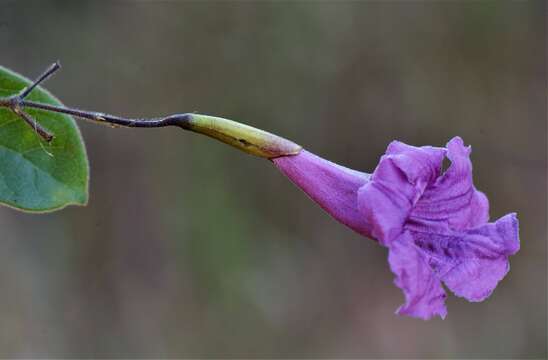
(244, 137)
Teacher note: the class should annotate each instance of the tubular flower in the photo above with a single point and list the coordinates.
(434, 224)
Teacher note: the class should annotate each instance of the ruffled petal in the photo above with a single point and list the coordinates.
(424, 295)
(471, 262)
(396, 185)
(452, 199)
(419, 164)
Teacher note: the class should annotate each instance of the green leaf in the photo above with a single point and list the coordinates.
(36, 176)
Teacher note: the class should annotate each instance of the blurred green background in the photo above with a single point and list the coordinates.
(189, 248)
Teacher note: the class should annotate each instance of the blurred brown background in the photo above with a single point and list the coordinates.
(189, 248)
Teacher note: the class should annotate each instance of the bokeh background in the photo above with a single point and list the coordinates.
(189, 248)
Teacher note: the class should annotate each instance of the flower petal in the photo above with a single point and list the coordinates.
(396, 185)
(452, 199)
(419, 164)
(424, 295)
(471, 262)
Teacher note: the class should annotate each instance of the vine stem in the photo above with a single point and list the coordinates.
(18, 102)
(179, 120)
(246, 138)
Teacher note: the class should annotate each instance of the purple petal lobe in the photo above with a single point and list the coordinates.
(424, 295)
(472, 262)
(452, 199)
(332, 186)
(397, 184)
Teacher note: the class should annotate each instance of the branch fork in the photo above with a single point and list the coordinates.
(17, 102)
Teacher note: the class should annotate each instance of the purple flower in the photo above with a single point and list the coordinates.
(434, 224)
